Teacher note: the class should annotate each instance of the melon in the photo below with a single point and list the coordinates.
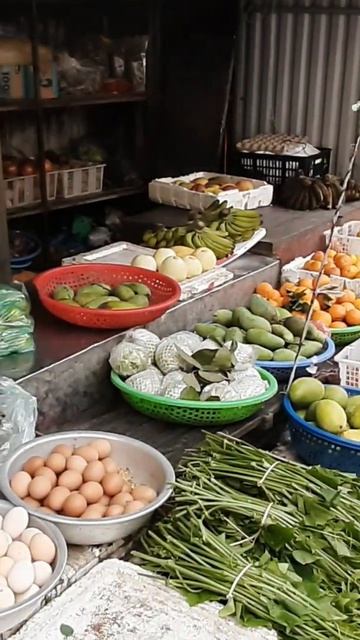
(206, 257)
(174, 267)
(144, 262)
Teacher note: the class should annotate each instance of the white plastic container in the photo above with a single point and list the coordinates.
(294, 270)
(345, 238)
(164, 191)
(348, 360)
(81, 181)
(25, 191)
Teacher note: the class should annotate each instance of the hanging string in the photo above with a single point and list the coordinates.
(315, 292)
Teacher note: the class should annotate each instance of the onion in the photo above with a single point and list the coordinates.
(10, 169)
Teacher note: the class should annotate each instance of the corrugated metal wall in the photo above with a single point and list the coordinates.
(299, 72)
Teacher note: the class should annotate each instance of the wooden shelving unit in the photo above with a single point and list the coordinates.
(68, 102)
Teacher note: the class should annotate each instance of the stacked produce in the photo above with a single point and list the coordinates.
(333, 308)
(218, 228)
(183, 366)
(304, 193)
(276, 543)
(277, 143)
(327, 406)
(272, 331)
(178, 263)
(215, 185)
(16, 324)
(132, 295)
(337, 264)
(83, 482)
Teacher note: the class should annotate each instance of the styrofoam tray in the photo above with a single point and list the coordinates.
(124, 252)
(345, 238)
(164, 190)
(348, 360)
(294, 270)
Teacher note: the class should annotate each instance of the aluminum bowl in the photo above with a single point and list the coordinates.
(19, 612)
(147, 465)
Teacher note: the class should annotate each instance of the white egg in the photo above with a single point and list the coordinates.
(1, 521)
(18, 551)
(21, 576)
(3, 581)
(42, 572)
(5, 565)
(4, 543)
(28, 534)
(29, 592)
(15, 522)
(7, 598)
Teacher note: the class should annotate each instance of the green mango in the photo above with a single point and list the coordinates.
(330, 416)
(140, 289)
(223, 317)
(284, 355)
(314, 334)
(264, 339)
(70, 303)
(261, 307)
(302, 413)
(234, 334)
(123, 292)
(63, 292)
(119, 304)
(334, 392)
(244, 319)
(139, 301)
(304, 391)
(352, 404)
(100, 301)
(94, 289)
(296, 326)
(282, 332)
(204, 329)
(310, 412)
(282, 313)
(261, 353)
(309, 349)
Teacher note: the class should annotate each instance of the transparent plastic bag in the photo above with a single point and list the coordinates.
(18, 416)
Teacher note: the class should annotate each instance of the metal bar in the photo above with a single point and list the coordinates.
(281, 9)
(5, 271)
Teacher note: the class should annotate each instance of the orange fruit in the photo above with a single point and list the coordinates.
(346, 296)
(322, 316)
(356, 303)
(338, 325)
(331, 254)
(312, 265)
(275, 295)
(264, 289)
(337, 312)
(274, 303)
(348, 306)
(286, 287)
(318, 255)
(316, 306)
(349, 271)
(323, 281)
(354, 259)
(342, 260)
(331, 270)
(306, 283)
(353, 317)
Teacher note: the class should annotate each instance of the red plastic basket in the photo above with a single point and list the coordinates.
(165, 292)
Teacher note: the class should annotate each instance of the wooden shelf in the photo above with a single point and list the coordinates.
(66, 102)
(54, 205)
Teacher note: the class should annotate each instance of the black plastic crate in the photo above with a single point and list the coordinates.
(275, 169)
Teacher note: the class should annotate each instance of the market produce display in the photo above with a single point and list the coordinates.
(275, 542)
(102, 296)
(179, 263)
(277, 143)
(16, 323)
(215, 185)
(27, 556)
(304, 193)
(183, 366)
(337, 264)
(272, 331)
(83, 482)
(327, 406)
(218, 228)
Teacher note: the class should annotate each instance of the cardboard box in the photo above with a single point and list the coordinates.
(12, 82)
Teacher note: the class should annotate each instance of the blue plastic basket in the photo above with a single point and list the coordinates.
(318, 447)
(26, 260)
(282, 370)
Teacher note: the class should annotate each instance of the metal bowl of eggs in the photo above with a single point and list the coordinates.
(33, 555)
(95, 486)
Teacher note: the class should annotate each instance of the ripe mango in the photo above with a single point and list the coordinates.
(304, 391)
(352, 404)
(310, 413)
(330, 416)
(264, 339)
(336, 393)
(354, 418)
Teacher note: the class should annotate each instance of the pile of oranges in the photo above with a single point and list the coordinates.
(338, 264)
(332, 310)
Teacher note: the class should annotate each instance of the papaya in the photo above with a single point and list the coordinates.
(261, 353)
(261, 307)
(264, 339)
(282, 332)
(244, 319)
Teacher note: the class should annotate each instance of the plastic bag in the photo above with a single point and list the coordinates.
(16, 325)
(18, 416)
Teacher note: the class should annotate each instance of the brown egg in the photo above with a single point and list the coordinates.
(56, 462)
(134, 506)
(34, 463)
(94, 511)
(74, 505)
(94, 471)
(46, 510)
(88, 453)
(42, 548)
(114, 510)
(112, 483)
(109, 465)
(92, 492)
(31, 502)
(105, 500)
(64, 449)
(70, 479)
(20, 483)
(121, 499)
(144, 493)
(47, 473)
(57, 497)
(126, 488)
(103, 447)
(39, 487)
(76, 463)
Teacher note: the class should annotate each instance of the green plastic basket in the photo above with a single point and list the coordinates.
(195, 412)
(342, 337)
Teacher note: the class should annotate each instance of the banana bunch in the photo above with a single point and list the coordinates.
(218, 241)
(303, 193)
(238, 225)
(164, 237)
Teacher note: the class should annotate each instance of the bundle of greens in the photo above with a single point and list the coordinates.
(277, 543)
